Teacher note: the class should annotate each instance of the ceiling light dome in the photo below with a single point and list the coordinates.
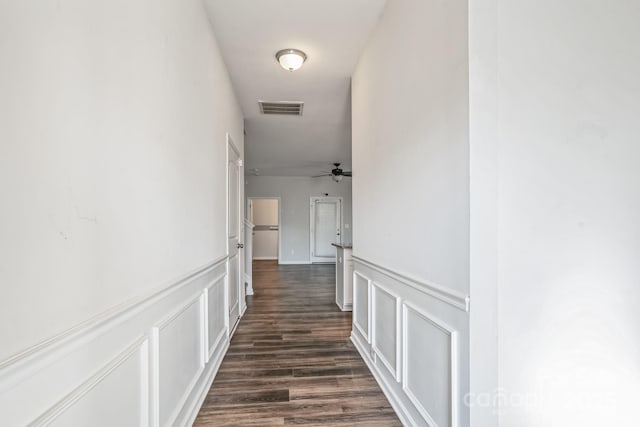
(291, 59)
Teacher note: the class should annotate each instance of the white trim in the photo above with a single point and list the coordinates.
(177, 312)
(265, 258)
(203, 390)
(453, 349)
(217, 340)
(203, 318)
(450, 296)
(154, 378)
(25, 363)
(237, 303)
(394, 370)
(204, 321)
(240, 222)
(396, 402)
(247, 271)
(210, 348)
(366, 336)
(145, 392)
(164, 323)
(83, 389)
(74, 360)
(285, 262)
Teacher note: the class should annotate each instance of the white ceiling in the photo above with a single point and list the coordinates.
(333, 34)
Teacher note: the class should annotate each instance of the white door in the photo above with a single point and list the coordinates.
(326, 227)
(234, 240)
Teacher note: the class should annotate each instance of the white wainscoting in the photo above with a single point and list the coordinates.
(414, 337)
(148, 363)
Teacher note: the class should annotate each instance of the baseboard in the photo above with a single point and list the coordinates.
(288, 262)
(265, 258)
(392, 397)
(201, 391)
(248, 281)
(346, 307)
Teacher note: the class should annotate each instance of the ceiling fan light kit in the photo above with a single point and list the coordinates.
(336, 173)
(291, 59)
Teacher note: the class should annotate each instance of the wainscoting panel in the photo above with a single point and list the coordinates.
(427, 342)
(149, 362)
(361, 304)
(416, 345)
(180, 360)
(216, 324)
(121, 383)
(386, 336)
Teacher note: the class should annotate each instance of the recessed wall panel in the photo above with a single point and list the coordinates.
(361, 304)
(116, 396)
(429, 376)
(179, 359)
(215, 307)
(385, 327)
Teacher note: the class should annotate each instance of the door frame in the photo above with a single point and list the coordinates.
(242, 304)
(311, 219)
(249, 199)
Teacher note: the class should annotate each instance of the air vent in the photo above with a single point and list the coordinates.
(285, 108)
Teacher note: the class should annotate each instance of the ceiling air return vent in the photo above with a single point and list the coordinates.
(283, 107)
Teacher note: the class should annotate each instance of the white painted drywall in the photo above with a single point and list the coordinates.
(411, 145)
(568, 98)
(411, 194)
(112, 156)
(483, 203)
(295, 193)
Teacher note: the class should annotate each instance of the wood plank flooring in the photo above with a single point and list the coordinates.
(290, 361)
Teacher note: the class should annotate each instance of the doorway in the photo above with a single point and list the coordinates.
(264, 214)
(235, 285)
(325, 228)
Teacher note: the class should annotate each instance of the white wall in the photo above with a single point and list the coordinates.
(295, 193)
(410, 140)
(112, 122)
(568, 203)
(411, 208)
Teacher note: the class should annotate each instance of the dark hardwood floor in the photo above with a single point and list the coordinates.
(291, 362)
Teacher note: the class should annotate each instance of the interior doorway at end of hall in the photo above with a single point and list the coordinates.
(264, 213)
(325, 228)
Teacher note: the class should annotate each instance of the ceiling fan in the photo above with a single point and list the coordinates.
(336, 173)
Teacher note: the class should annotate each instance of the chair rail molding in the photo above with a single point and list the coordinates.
(414, 337)
(152, 359)
(443, 293)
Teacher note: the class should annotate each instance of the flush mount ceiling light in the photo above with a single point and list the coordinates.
(291, 59)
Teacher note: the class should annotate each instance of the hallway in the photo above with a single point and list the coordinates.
(290, 361)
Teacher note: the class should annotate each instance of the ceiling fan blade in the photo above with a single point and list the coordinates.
(319, 176)
(346, 173)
